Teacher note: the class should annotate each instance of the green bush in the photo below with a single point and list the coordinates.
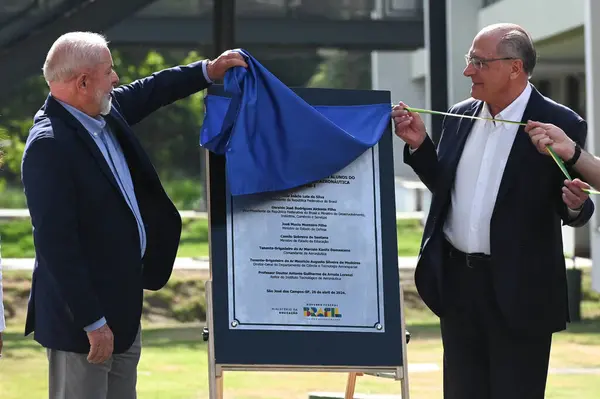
(11, 197)
(195, 229)
(16, 239)
(185, 193)
(409, 233)
(182, 299)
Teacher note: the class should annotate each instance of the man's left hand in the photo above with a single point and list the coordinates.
(216, 68)
(573, 194)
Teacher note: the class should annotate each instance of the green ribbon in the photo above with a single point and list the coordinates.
(552, 153)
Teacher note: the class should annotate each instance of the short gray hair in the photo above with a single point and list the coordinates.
(72, 52)
(518, 44)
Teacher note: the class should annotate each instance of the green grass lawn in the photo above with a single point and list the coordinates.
(174, 366)
(17, 241)
(174, 357)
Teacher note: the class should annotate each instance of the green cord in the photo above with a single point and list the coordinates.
(552, 153)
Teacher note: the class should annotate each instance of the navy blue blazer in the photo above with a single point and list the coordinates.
(528, 264)
(88, 262)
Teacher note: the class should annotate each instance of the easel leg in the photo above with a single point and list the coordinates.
(404, 381)
(405, 393)
(351, 385)
(215, 383)
(215, 378)
(220, 386)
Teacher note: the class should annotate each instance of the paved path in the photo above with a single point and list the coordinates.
(24, 213)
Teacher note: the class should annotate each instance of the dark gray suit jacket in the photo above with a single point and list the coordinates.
(528, 264)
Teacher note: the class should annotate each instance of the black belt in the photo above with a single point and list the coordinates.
(472, 260)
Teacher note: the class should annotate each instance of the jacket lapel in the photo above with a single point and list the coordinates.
(519, 149)
(54, 108)
(130, 144)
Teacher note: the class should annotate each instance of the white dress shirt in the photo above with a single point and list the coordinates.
(478, 177)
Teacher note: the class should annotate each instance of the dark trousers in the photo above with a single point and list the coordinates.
(483, 358)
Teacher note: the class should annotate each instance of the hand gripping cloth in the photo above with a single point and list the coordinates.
(273, 140)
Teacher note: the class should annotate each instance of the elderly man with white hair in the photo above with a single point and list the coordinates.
(104, 228)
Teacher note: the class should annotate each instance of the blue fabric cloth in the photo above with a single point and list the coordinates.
(274, 140)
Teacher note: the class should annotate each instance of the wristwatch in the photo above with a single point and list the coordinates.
(575, 157)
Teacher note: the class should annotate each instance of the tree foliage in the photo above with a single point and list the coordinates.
(343, 70)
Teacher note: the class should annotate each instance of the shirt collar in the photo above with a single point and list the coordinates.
(92, 125)
(514, 111)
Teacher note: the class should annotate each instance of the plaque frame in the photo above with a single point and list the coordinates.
(356, 353)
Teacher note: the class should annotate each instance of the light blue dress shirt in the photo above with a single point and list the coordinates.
(113, 154)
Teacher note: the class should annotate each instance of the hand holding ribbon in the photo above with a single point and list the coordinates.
(544, 144)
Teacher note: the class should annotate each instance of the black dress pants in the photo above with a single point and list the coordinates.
(483, 358)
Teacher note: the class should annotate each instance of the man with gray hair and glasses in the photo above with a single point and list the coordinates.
(104, 229)
(491, 263)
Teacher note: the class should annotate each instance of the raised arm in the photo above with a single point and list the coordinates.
(584, 163)
(588, 166)
(140, 98)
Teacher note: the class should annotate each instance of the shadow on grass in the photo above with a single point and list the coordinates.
(423, 331)
(16, 340)
(182, 337)
(585, 326)
(185, 336)
(190, 336)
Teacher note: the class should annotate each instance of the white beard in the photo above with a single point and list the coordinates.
(105, 103)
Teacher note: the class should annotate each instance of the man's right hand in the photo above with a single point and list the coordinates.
(217, 68)
(408, 126)
(101, 344)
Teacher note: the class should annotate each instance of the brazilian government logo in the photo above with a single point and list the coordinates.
(322, 312)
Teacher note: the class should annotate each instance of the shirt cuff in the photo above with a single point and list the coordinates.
(96, 325)
(205, 72)
(573, 213)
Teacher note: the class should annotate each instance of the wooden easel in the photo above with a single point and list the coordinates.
(351, 382)
(351, 385)
(215, 372)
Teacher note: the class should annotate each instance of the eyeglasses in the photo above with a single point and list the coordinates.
(479, 63)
